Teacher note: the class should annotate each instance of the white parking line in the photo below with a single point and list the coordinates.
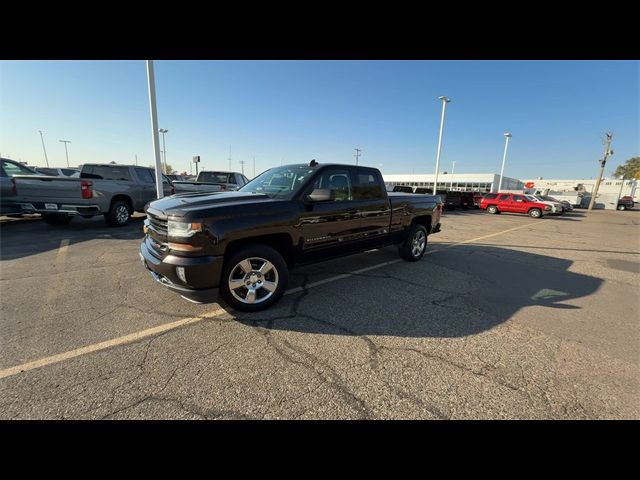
(133, 337)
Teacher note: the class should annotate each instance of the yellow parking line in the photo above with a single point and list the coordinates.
(133, 337)
(62, 251)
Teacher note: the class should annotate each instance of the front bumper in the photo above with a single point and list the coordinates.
(202, 274)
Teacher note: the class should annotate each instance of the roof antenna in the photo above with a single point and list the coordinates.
(313, 163)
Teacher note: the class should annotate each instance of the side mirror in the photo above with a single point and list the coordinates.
(321, 195)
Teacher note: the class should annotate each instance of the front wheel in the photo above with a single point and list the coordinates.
(492, 209)
(415, 244)
(622, 207)
(535, 213)
(254, 278)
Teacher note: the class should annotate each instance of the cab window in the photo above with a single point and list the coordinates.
(337, 180)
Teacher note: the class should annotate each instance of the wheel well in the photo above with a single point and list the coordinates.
(425, 221)
(281, 242)
(124, 198)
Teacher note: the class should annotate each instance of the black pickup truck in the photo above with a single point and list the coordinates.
(244, 243)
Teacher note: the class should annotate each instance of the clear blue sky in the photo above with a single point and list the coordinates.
(293, 111)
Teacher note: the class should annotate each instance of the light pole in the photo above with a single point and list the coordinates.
(44, 149)
(151, 84)
(164, 148)
(507, 136)
(65, 150)
(452, 170)
(445, 100)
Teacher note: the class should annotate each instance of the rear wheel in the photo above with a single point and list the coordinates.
(492, 209)
(535, 213)
(254, 278)
(119, 214)
(56, 219)
(415, 244)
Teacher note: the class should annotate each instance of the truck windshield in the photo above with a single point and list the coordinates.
(280, 182)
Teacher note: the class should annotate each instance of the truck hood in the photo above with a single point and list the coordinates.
(182, 204)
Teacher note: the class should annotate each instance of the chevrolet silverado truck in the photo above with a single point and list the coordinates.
(242, 244)
(112, 190)
(210, 181)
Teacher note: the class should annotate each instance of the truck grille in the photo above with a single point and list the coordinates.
(159, 225)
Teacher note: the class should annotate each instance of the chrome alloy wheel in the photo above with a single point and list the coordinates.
(253, 280)
(418, 243)
(122, 214)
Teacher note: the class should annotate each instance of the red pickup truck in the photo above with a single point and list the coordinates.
(513, 203)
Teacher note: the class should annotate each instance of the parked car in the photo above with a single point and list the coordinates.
(566, 205)
(403, 189)
(477, 199)
(57, 172)
(243, 243)
(9, 204)
(514, 203)
(212, 181)
(455, 199)
(556, 207)
(115, 191)
(626, 202)
(178, 178)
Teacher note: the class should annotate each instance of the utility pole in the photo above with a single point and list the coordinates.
(44, 149)
(607, 153)
(241, 162)
(229, 157)
(452, 170)
(357, 155)
(136, 159)
(65, 150)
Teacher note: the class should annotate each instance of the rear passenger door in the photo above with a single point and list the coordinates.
(147, 185)
(504, 203)
(372, 204)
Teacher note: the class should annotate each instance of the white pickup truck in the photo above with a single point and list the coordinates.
(212, 181)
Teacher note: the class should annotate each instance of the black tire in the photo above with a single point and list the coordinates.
(264, 298)
(492, 209)
(119, 214)
(535, 213)
(622, 207)
(410, 249)
(56, 218)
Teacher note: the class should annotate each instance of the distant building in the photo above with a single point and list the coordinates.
(466, 182)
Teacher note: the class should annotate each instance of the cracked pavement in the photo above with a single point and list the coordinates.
(535, 323)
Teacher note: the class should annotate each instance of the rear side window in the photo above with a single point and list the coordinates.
(368, 187)
(145, 175)
(47, 171)
(504, 197)
(10, 169)
(103, 172)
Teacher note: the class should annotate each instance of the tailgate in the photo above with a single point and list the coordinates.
(34, 187)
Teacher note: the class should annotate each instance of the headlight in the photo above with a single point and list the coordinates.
(547, 207)
(183, 229)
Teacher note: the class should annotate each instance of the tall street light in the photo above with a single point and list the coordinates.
(44, 149)
(164, 148)
(151, 86)
(445, 100)
(507, 136)
(65, 149)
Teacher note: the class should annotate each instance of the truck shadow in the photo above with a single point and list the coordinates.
(452, 292)
(31, 235)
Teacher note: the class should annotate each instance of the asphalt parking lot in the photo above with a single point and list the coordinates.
(505, 317)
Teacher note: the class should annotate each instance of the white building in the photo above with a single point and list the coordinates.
(467, 182)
